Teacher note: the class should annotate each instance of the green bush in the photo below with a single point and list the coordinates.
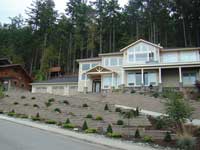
(68, 126)
(50, 122)
(38, 115)
(48, 104)
(109, 129)
(186, 142)
(85, 126)
(33, 98)
(160, 123)
(89, 116)
(133, 91)
(120, 122)
(57, 110)
(35, 118)
(85, 105)
(167, 137)
(12, 113)
(51, 100)
(137, 134)
(106, 107)
(91, 130)
(1, 91)
(171, 94)
(147, 139)
(98, 118)
(1, 112)
(36, 106)
(23, 97)
(118, 109)
(15, 103)
(66, 102)
(114, 135)
(155, 94)
(24, 116)
(67, 121)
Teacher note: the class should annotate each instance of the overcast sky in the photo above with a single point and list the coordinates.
(12, 8)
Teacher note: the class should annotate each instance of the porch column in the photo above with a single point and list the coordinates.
(85, 86)
(112, 79)
(180, 78)
(159, 80)
(142, 76)
(123, 76)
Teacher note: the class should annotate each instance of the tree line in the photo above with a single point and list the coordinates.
(47, 38)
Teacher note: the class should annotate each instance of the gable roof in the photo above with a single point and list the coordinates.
(139, 41)
(99, 69)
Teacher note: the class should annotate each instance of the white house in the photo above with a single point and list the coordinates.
(140, 64)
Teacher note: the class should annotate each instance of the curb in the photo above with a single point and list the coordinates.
(94, 139)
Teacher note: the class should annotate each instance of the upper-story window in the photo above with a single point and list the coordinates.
(188, 56)
(94, 65)
(113, 61)
(85, 67)
(141, 56)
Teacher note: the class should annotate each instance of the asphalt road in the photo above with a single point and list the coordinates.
(18, 137)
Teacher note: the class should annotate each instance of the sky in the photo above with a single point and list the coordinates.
(12, 8)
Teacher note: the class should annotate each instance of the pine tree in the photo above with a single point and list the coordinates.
(109, 129)
(85, 126)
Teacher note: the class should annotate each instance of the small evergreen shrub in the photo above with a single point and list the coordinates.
(118, 109)
(85, 126)
(85, 105)
(15, 103)
(38, 115)
(106, 107)
(57, 110)
(48, 104)
(120, 122)
(98, 118)
(68, 126)
(137, 112)
(109, 129)
(137, 134)
(114, 135)
(51, 100)
(50, 122)
(36, 118)
(168, 137)
(89, 116)
(66, 102)
(147, 139)
(91, 130)
(36, 106)
(67, 121)
(133, 91)
(33, 98)
(23, 97)
(11, 113)
(155, 94)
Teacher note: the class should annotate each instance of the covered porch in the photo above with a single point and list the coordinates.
(97, 77)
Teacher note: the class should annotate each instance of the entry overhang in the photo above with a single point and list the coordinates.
(98, 70)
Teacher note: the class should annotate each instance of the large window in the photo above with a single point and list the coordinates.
(83, 76)
(131, 79)
(113, 62)
(138, 79)
(85, 67)
(141, 57)
(170, 57)
(107, 82)
(188, 56)
(189, 78)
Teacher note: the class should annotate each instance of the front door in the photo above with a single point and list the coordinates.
(97, 86)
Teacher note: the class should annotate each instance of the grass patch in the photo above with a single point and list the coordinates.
(91, 130)
(50, 122)
(68, 126)
(114, 135)
(98, 118)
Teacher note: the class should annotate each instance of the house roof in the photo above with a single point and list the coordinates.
(180, 49)
(89, 59)
(70, 79)
(138, 41)
(16, 66)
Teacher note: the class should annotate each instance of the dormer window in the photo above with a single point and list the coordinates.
(151, 56)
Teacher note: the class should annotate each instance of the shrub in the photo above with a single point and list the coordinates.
(68, 126)
(57, 110)
(109, 129)
(137, 134)
(1, 112)
(36, 118)
(12, 113)
(85, 126)
(98, 118)
(66, 102)
(85, 105)
(133, 91)
(67, 121)
(106, 107)
(48, 104)
(51, 100)
(160, 123)
(120, 122)
(36, 106)
(38, 115)
(114, 135)
(24, 116)
(50, 122)
(59, 123)
(91, 130)
(33, 98)
(15, 103)
(155, 94)
(89, 116)
(168, 137)
(118, 109)
(23, 97)
(147, 139)
(1, 91)
(186, 142)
